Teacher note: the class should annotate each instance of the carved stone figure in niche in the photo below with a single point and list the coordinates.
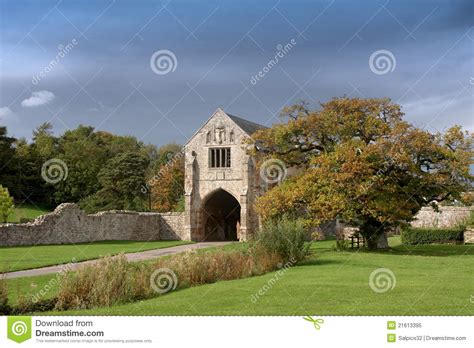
(220, 134)
(208, 137)
(231, 136)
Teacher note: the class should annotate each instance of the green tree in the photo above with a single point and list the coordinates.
(359, 161)
(6, 204)
(121, 180)
(44, 141)
(7, 159)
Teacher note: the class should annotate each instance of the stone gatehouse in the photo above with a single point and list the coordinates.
(221, 180)
(221, 184)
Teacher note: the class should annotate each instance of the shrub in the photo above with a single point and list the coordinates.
(194, 267)
(431, 235)
(111, 281)
(26, 304)
(341, 245)
(114, 280)
(6, 204)
(286, 238)
(5, 309)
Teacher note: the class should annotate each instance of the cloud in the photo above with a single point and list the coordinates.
(38, 98)
(5, 112)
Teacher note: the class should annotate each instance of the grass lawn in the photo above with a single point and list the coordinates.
(430, 280)
(26, 211)
(27, 257)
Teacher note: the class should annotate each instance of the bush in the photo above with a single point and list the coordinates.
(286, 238)
(5, 309)
(195, 267)
(6, 204)
(432, 235)
(27, 305)
(114, 280)
(341, 245)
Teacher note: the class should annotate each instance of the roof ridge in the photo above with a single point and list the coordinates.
(246, 126)
(244, 119)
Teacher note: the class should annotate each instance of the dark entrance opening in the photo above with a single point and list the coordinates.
(221, 217)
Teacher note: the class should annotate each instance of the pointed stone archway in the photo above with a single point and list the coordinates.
(220, 217)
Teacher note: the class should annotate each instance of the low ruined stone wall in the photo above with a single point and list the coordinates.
(446, 217)
(68, 224)
(469, 235)
(172, 226)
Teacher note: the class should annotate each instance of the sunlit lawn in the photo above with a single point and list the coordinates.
(430, 280)
(26, 257)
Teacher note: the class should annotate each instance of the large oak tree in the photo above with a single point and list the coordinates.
(361, 162)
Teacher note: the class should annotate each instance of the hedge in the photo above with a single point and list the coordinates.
(432, 235)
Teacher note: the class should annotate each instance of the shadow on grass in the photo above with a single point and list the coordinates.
(433, 250)
(317, 262)
(424, 250)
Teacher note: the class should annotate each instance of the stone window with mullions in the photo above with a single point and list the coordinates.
(219, 157)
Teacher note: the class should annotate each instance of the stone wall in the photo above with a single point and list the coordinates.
(172, 226)
(68, 224)
(446, 217)
(469, 235)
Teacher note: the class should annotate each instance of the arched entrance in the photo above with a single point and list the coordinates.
(220, 217)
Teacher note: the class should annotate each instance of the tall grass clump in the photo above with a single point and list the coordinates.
(113, 280)
(286, 238)
(195, 267)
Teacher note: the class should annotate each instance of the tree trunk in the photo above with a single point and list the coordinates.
(382, 243)
(371, 242)
(374, 234)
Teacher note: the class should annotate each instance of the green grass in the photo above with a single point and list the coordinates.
(27, 257)
(31, 286)
(430, 280)
(27, 211)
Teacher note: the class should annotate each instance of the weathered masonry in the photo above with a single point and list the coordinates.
(221, 184)
(221, 180)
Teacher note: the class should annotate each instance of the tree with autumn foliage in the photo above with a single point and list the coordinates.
(362, 163)
(167, 183)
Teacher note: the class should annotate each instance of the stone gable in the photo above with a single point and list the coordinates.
(217, 164)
